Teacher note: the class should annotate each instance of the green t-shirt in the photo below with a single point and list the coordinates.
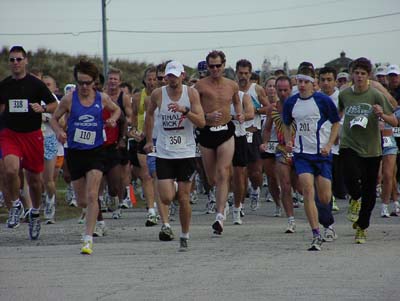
(365, 140)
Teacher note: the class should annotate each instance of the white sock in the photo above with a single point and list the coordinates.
(219, 217)
(16, 203)
(291, 219)
(152, 211)
(167, 225)
(184, 235)
(88, 238)
(101, 222)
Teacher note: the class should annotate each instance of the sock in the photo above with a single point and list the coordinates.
(152, 211)
(16, 203)
(167, 225)
(101, 222)
(290, 219)
(88, 238)
(219, 217)
(35, 211)
(184, 235)
(316, 232)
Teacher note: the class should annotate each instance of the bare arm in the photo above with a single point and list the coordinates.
(126, 101)
(63, 107)
(149, 120)
(196, 113)
(237, 104)
(113, 108)
(378, 86)
(263, 99)
(325, 150)
(135, 109)
(247, 107)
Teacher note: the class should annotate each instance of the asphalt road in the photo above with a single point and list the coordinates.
(254, 261)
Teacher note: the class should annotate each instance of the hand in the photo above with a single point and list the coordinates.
(214, 116)
(148, 147)
(263, 147)
(378, 110)
(174, 107)
(62, 137)
(36, 107)
(111, 123)
(326, 150)
(289, 147)
(240, 117)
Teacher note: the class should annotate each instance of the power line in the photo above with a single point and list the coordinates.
(205, 31)
(260, 44)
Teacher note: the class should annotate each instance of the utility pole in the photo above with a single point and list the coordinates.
(105, 54)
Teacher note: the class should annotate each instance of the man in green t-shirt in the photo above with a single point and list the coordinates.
(360, 143)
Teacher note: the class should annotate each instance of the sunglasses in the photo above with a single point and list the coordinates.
(212, 66)
(16, 59)
(82, 82)
(160, 78)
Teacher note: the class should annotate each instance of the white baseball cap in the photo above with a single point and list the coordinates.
(174, 68)
(381, 70)
(393, 69)
(343, 75)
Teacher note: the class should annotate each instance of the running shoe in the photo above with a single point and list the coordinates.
(278, 211)
(100, 229)
(255, 199)
(226, 210)
(230, 199)
(34, 225)
(183, 244)
(125, 203)
(316, 244)
(49, 208)
(335, 207)
(353, 210)
(14, 216)
(361, 235)
(166, 233)
(116, 214)
(82, 218)
(87, 247)
(396, 209)
(268, 197)
(242, 213)
(291, 227)
(385, 211)
(329, 234)
(1, 199)
(265, 181)
(151, 220)
(193, 198)
(236, 216)
(103, 205)
(210, 207)
(218, 227)
(172, 210)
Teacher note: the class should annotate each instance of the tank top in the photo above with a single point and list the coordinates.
(141, 112)
(175, 138)
(240, 129)
(256, 121)
(85, 124)
(112, 134)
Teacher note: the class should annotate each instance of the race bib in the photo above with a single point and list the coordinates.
(18, 105)
(271, 147)
(219, 128)
(396, 132)
(359, 121)
(387, 142)
(249, 137)
(175, 142)
(306, 128)
(84, 137)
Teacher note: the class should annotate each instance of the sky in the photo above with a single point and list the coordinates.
(285, 30)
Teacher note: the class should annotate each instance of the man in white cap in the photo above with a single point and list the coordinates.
(380, 75)
(179, 111)
(342, 79)
(393, 76)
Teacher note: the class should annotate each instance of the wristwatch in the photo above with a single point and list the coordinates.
(187, 110)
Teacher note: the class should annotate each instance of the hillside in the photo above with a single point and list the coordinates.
(60, 66)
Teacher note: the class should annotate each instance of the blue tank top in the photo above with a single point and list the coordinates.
(85, 124)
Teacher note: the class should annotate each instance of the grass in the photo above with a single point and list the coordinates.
(63, 211)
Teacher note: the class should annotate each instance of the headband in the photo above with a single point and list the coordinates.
(304, 77)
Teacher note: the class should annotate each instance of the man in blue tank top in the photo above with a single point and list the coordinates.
(84, 136)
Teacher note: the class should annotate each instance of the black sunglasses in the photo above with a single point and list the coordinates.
(212, 66)
(16, 59)
(82, 82)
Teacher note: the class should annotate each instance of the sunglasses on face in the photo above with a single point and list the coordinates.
(160, 78)
(16, 59)
(212, 66)
(82, 82)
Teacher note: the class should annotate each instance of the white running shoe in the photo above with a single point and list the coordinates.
(226, 210)
(255, 199)
(236, 216)
(329, 234)
(385, 211)
(278, 211)
(291, 228)
(116, 214)
(100, 229)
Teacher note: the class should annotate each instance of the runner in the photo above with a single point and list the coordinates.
(216, 138)
(309, 110)
(22, 139)
(179, 109)
(85, 156)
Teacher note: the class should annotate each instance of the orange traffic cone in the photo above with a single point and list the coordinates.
(132, 195)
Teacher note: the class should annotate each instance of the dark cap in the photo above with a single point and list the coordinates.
(18, 49)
